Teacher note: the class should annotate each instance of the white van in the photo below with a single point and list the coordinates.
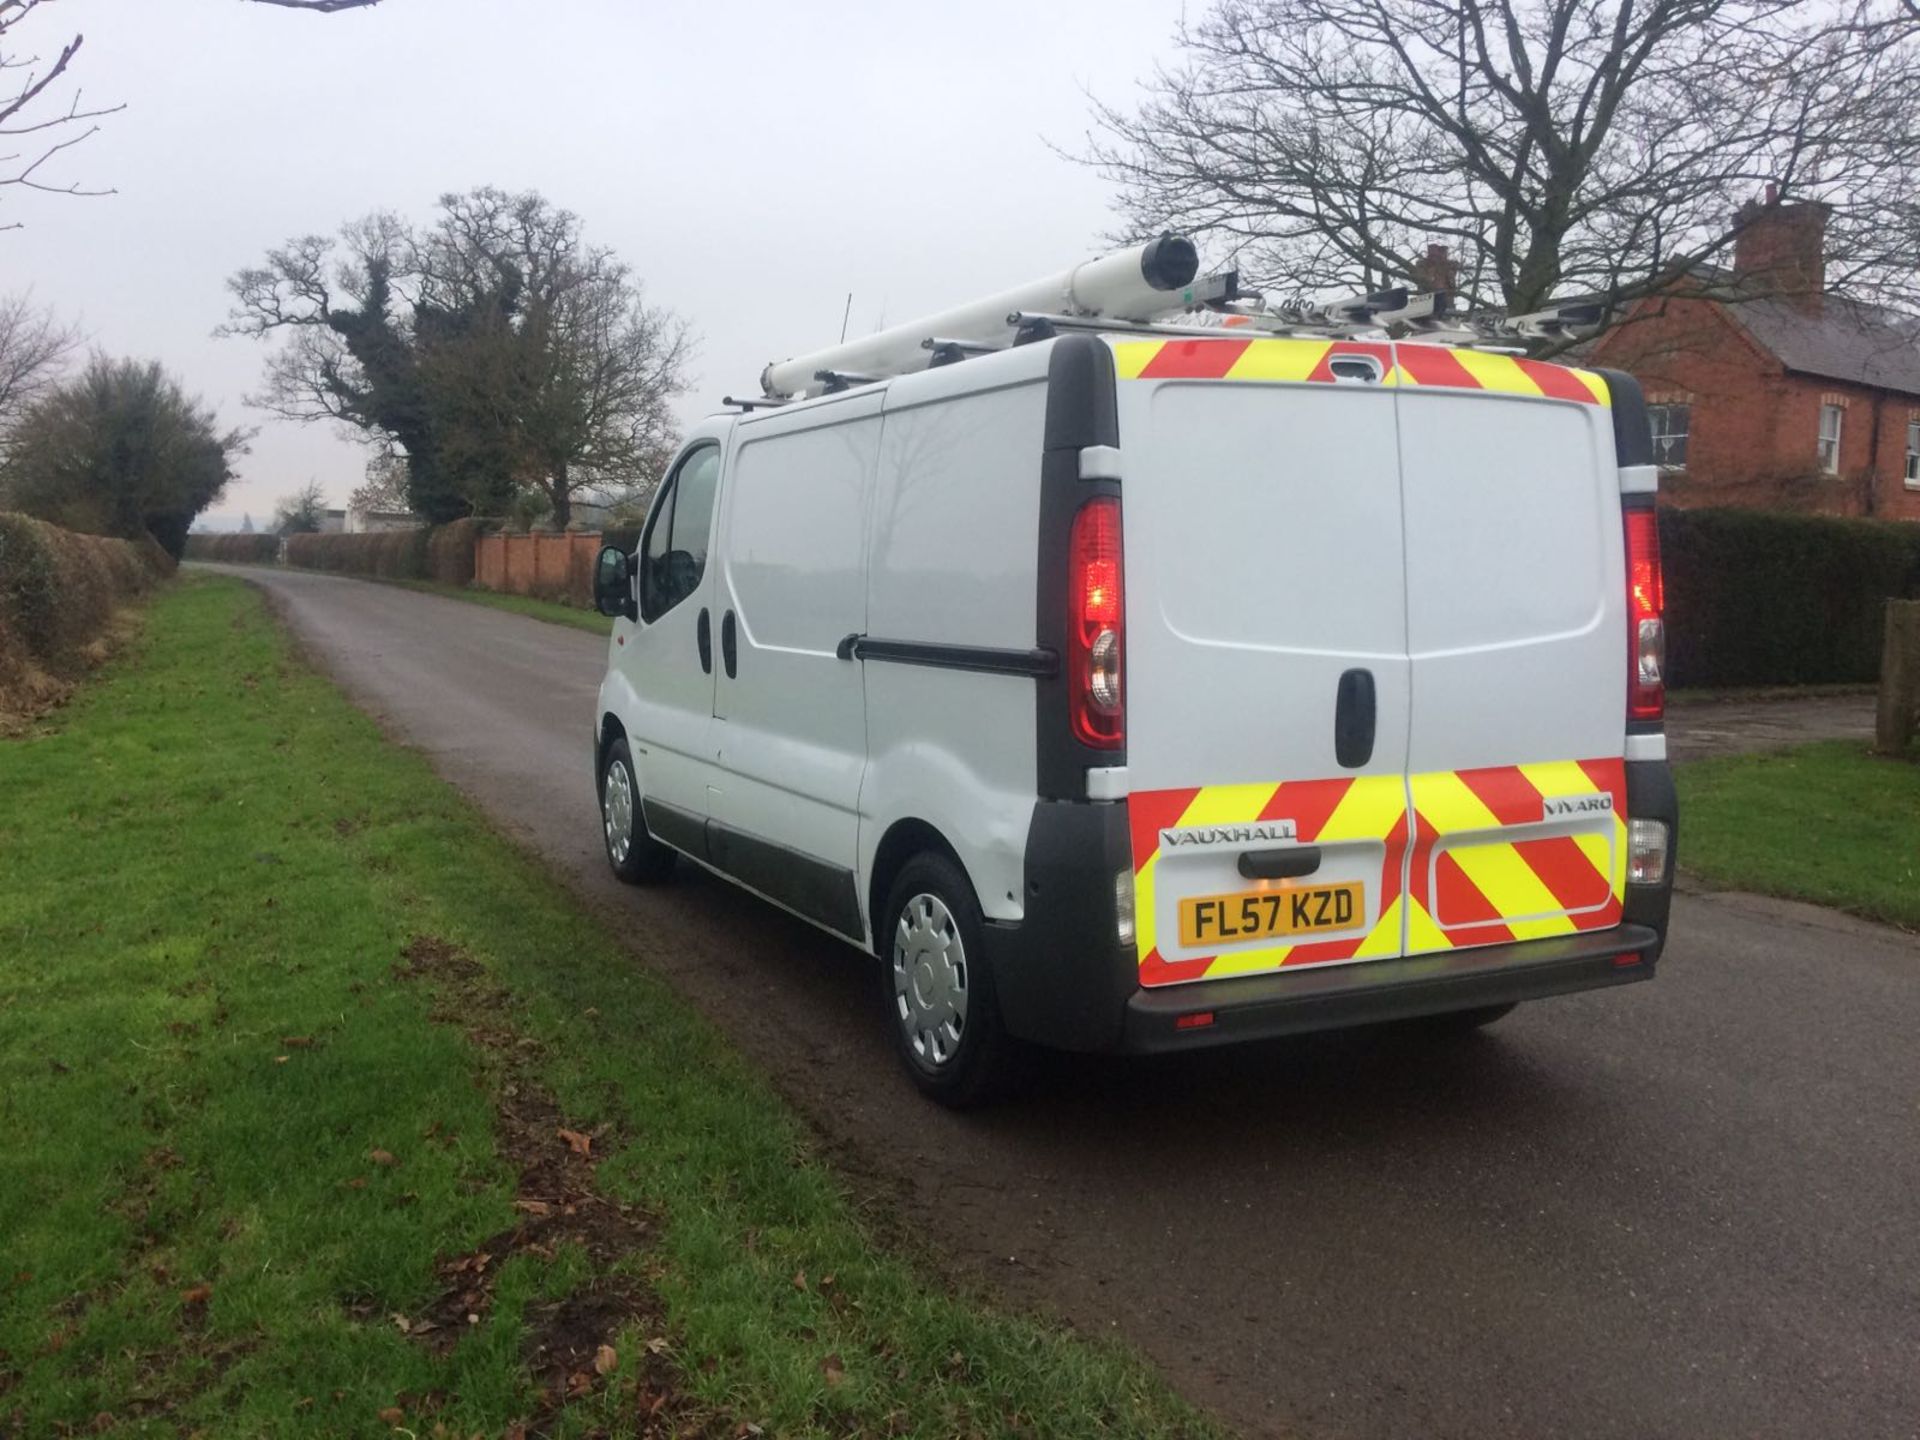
(1130, 692)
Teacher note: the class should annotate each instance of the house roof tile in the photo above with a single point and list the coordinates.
(1863, 344)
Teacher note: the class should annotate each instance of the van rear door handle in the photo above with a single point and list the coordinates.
(703, 632)
(1354, 719)
(1289, 864)
(729, 652)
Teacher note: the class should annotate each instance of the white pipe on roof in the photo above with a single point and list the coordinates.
(1134, 284)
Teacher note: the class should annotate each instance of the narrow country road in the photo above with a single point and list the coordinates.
(1689, 1208)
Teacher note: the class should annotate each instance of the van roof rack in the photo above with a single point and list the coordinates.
(1152, 289)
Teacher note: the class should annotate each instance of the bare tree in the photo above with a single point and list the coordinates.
(301, 513)
(35, 346)
(385, 487)
(29, 142)
(1559, 148)
(40, 119)
(495, 347)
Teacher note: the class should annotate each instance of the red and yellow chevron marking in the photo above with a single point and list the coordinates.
(1471, 885)
(1401, 363)
(1483, 864)
(1368, 807)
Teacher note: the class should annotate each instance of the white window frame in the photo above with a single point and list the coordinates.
(1829, 447)
(1667, 409)
(1913, 452)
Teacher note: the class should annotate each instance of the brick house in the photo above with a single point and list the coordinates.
(1794, 399)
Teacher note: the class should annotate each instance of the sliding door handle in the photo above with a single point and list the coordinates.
(703, 632)
(729, 649)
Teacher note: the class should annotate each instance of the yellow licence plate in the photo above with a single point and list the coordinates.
(1264, 914)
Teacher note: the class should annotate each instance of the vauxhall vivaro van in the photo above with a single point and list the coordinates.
(1133, 692)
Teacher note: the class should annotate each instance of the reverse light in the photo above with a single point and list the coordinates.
(1646, 852)
(1096, 626)
(1123, 905)
(1646, 619)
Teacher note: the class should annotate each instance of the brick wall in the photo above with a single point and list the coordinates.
(1755, 428)
(550, 567)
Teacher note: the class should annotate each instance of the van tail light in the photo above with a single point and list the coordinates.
(1097, 626)
(1646, 619)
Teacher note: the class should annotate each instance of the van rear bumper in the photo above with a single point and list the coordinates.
(1064, 980)
(1327, 997)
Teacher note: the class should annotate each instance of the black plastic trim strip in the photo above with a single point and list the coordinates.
(1632, 430)
(1325, 997)
(671, 825)
(1082, 411)
(824, 893)
(982, 659)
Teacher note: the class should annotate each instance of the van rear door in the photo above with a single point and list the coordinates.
(1267, 680)
(1516, 615)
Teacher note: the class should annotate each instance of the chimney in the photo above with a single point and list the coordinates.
(1782, 249)
(1438, 271)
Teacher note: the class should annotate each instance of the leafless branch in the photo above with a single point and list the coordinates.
(1557, 147)
(324, 7)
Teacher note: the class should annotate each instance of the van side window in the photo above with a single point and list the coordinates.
(673, 556)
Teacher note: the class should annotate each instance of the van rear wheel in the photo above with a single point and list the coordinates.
(938, 988)
(636, 857)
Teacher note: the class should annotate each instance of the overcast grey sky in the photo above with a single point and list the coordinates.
(754, 162)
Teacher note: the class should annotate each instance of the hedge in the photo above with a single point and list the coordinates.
(234, 549)
(58, 591)
(443, 553)
(1760, 598)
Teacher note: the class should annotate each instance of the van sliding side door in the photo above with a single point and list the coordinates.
(790, 713)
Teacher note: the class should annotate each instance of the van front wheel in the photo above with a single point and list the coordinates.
(636, 857)
(938, 988)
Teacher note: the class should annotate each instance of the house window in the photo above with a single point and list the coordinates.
(1670, 426)
(1830, 418)
(1913, 454)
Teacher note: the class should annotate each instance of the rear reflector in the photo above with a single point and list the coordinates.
(1622, 962)
(1199, 1020)
(1646, 619)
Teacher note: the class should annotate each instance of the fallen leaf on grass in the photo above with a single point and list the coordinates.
(834, 1370)
(606, 1360)
(580, 1144)
(579, 1383)
(657, 1345)
(382, 1157)
(800, 1280)
(281, 1059)
(196, 1295)
(392, 1415)
(358, 1182)
(533, 1207)
(297, 1042)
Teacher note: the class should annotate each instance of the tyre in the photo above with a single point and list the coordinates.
(938, 989)
(636, 857)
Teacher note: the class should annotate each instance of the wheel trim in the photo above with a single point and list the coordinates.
(930, 980)
(616, 809)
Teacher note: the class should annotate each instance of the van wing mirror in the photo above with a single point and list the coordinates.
(613, 583)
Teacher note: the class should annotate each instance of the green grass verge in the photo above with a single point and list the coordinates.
(1829, 822)
(591, 620)
(239, 1142)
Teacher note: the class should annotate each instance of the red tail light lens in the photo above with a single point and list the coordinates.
(1646, 619)
(1097, 626)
